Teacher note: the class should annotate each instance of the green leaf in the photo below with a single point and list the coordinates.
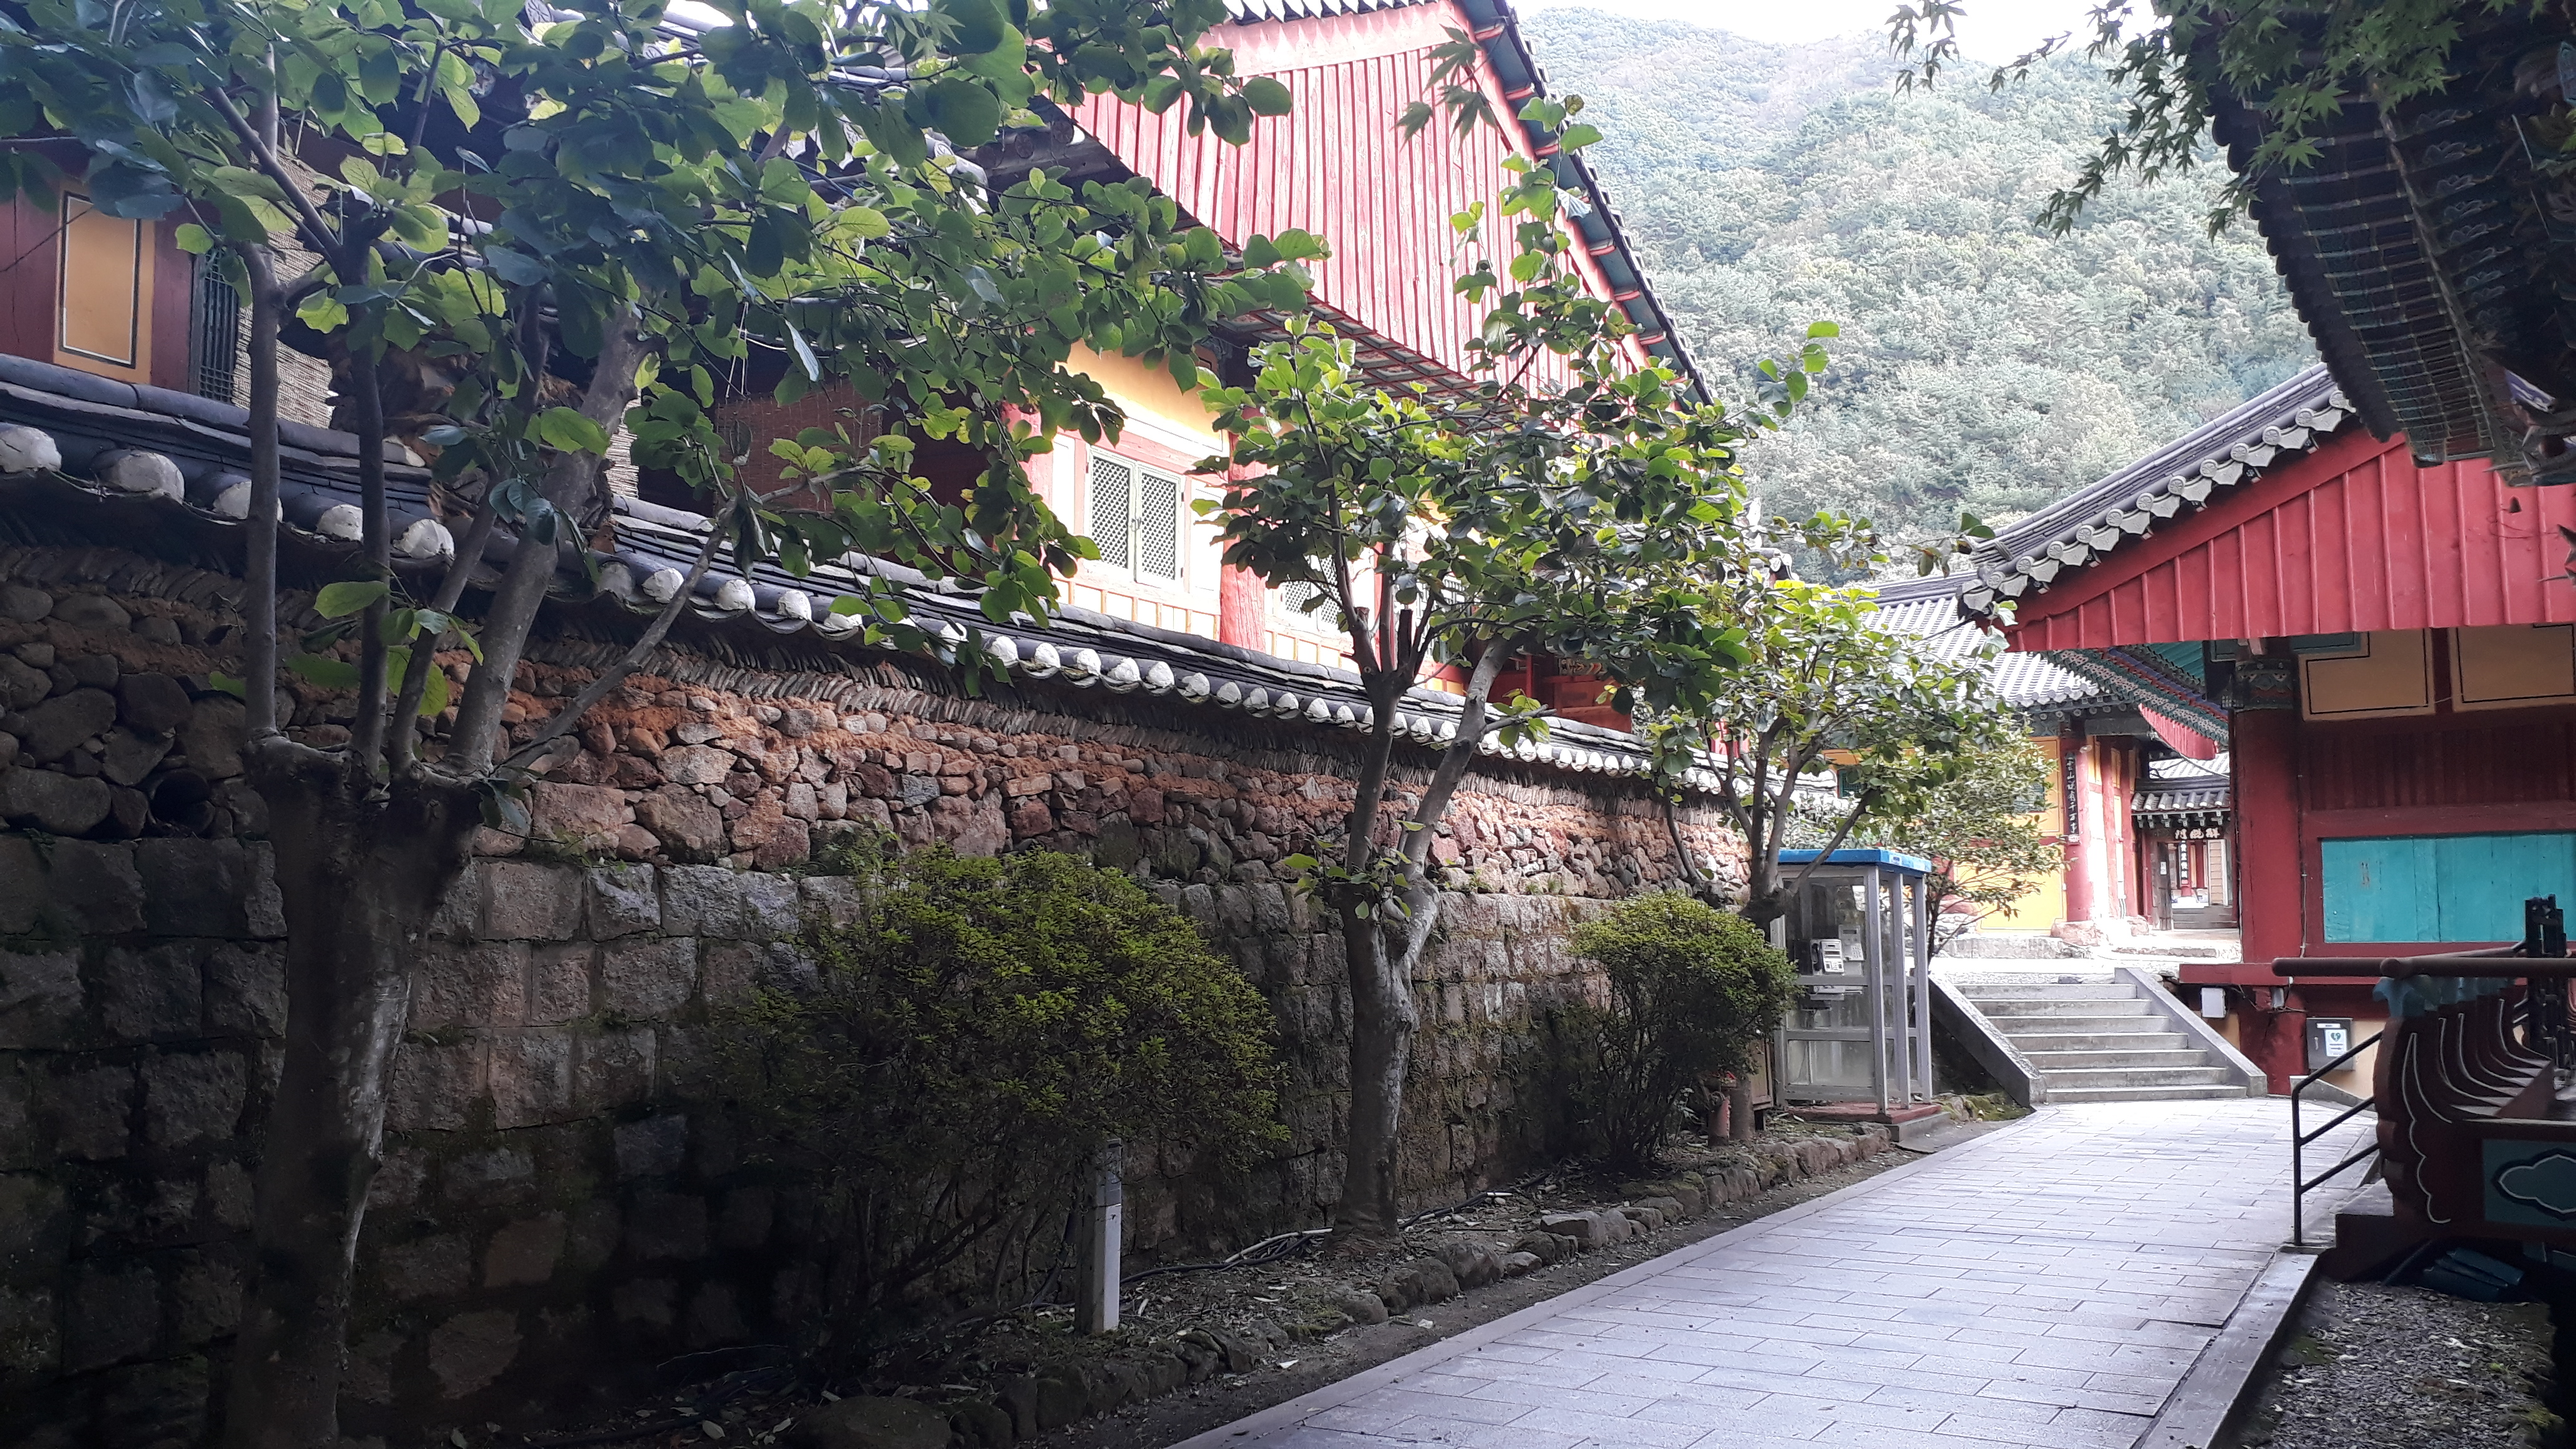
(223, 683)
(433, 694)
(966, 113)
(566, 431)
(340, 600)
(424, 227)
(981, 26)
(194, 239)
(1267, 97)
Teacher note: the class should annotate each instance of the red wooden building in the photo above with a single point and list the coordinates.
(2390, 642)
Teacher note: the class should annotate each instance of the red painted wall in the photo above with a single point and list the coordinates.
(1337, 166)
(2352, 537)
(29, 238)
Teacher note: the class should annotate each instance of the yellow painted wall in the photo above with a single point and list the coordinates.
(1150, 397)
(1163, 413)
(2045, 906)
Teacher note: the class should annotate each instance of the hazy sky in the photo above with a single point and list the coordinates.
(1993, 29)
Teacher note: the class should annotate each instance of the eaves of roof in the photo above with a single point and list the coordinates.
(193, 510)
(1507, 50)
(2269, 431)
(2194, 799)
(2034, 684)
(2419, 246)
(2152, 682)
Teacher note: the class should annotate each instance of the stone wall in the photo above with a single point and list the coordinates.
(555, 1208)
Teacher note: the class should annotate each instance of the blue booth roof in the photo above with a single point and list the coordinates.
(1879, 856)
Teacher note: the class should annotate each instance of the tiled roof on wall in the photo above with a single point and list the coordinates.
(88, 461)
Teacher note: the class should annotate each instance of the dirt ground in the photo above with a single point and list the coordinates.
(1286, 1304)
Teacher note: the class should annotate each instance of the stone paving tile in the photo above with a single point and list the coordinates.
(2044, 1289)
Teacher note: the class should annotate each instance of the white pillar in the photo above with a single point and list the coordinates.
(1103, 1237)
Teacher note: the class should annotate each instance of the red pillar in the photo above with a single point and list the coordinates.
(2270, 868)
(1239, 599)
(2271, 873)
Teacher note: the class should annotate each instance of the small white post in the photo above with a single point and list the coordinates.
(1103, 1234)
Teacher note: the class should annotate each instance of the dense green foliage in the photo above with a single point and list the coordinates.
(1692, 990)
(1983, 830)
(1984, 365)
(967, 1045)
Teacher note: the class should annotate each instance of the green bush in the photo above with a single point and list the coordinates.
(943, 1084)
(1692, 991)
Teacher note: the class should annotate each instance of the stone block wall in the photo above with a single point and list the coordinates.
(556, 1205)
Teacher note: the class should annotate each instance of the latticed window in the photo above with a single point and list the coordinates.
(1297, 606)
(1136, 519)
(215, 336)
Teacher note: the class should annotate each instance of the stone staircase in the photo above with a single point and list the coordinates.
(2098, 1040)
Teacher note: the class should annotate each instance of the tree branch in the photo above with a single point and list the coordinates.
(1700, 884)
(1421, 898)
(309, 216)
(469, 551)
(367, 747)
(522, 590)
(1830, 847)
(259, 543)
(633, 659)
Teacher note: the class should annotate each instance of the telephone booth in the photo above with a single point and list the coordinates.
(1859, 1035)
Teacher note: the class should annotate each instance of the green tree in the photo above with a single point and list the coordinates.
(1552, 505)
(974, 1037)
(1693, 991)
(2294, 63)
(1984, 365)
(587, 220)
(1981, 829)
(1821, 673)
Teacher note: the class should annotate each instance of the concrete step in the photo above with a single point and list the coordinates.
(2021, 1004)
(2135, 1077)
(2030, 1043)
(2041, 988)
(2176, 1056)
(2073, 1095)
(2018, 1027)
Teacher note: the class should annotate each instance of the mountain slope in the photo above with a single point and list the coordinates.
(1984, 365)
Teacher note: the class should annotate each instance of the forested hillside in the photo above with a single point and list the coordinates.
(1984, 365)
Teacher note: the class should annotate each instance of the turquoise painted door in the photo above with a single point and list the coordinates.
(2442, 887)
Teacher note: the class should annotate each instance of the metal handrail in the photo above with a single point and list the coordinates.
(2300, 1182)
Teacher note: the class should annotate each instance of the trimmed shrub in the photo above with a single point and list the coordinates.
(941, 1088)
(1692, 992)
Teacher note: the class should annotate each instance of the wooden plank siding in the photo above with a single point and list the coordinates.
(1337, 165)
(2352, 538)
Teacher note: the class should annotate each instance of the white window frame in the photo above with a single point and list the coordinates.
(1118, 519)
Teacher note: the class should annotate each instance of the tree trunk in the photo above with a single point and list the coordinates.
(361, 870)
(1382, 1021)
(1381, 954)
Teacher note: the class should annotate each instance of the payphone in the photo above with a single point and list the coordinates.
(1858, 936)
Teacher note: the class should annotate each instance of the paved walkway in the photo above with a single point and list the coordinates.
(2044, 1286)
